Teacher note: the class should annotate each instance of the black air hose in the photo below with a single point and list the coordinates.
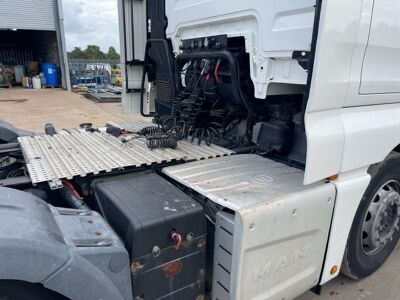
(234, 67)
(71, 196)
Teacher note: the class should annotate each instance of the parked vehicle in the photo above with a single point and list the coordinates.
(300, 98)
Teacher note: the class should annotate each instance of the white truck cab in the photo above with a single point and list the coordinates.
(342, 58)
(272, 163)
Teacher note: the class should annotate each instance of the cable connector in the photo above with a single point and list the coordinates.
(177, 239)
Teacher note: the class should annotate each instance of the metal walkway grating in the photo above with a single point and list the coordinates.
(131, 125)
(78, 153)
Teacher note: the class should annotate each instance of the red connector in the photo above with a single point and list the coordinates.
(177, 239)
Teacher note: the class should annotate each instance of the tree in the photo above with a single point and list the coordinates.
(77, 53)
(112, 53)
(94, 52)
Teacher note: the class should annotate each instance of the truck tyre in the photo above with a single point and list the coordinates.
(375, 229)
(19, 290)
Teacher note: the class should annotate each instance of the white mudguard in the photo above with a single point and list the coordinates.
(280, 244)
(274, 242)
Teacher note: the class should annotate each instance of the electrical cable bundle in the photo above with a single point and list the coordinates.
(156, 137)
(150, 130)
(199, 112)
(161, 141)
(195, 116)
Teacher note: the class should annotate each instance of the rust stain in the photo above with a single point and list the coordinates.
(202, 245)
(172, 268)
(136, 267)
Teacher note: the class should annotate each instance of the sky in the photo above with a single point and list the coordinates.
(91, 22)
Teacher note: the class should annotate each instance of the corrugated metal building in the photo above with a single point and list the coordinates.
(33, 30)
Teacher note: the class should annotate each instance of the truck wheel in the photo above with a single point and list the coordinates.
(375, 229)
(19, 290)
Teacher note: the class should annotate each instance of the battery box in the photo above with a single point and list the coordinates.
(164, 231)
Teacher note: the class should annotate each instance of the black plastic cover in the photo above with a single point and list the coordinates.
(144, 208)
(270, 136)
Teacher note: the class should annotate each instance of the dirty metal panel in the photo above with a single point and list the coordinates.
(133, 125)
(78, 153)
(238, 181)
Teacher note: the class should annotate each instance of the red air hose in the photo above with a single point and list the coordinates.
(216, 70)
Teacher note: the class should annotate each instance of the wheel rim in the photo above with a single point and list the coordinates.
(382, 218)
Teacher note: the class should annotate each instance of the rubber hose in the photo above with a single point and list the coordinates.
(72, 199)
(49, 129)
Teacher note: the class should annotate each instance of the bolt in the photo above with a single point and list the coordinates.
(391, 202)
(385, 213)
(391, 238)
(202, 273)
(189, 236)
(378, 227)
(156, 251)
(98, 232)
(252, 226)
(397, 228)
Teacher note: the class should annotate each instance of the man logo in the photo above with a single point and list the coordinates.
(284, 261)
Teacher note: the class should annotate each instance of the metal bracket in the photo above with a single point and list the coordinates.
(303, 58)
(135, 62)
(55, 184)
(92, 242)
(74, 212)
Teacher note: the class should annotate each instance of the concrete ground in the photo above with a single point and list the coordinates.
(31, 109)
(382, 285)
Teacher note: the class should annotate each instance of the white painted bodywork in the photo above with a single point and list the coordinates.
(349, 127)
(380, 73)
(288, 23)
(354, 130)
(350, 188)
(353, 112)
(342, 55)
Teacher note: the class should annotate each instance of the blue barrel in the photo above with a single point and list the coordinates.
(50, 72)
